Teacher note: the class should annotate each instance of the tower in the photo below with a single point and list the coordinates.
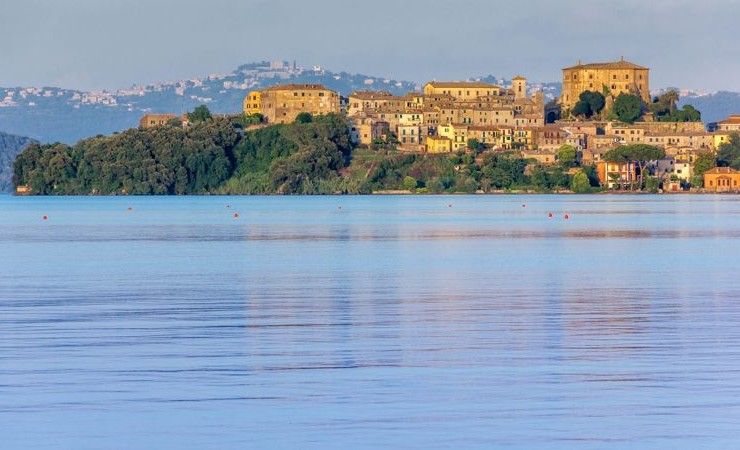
(519, 85)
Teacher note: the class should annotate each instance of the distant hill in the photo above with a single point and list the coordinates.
(10, 147)
(52, 114)
(715, 106)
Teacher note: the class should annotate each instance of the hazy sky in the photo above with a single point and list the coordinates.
(116, 43)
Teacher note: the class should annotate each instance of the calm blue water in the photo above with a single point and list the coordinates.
(366, 322)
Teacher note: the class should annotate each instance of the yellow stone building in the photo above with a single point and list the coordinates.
(456, 133)
(613, 77)
(282, 103)
(438, 144)
(461, 90)
(722, 179)
(155, 120)
(731, 124)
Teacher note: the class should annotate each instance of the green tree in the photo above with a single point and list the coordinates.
(581, 109)
(410, 183)
(200, 114)
(627, 107)
(304, 117)
(640, 154)
(652, 184)
(580, 183)
(729, 153)
(567, 156)
(589, 104)
(476, 146)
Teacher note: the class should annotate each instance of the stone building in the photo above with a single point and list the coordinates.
(722, 179)
(613, 77)
(282, 103)
(462, 90)
(155, 120)
(731, 124)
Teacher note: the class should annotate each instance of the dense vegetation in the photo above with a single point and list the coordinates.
(589, 104)
(10, 147)
(239, 155)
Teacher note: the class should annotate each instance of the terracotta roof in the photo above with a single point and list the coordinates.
(607, 65)
(484, 128)
(462, 84)
(735, 118)
(293, 87)
(372, 95)
(721, 170)
(518, 77)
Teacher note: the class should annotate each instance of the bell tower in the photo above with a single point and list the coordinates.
(519, 85)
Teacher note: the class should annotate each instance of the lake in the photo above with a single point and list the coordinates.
(367, 322)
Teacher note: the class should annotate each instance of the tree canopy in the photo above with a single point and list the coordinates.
(639, 154)
(589, 104)
(567, 156)
(729, 153)
(627, 107)
(200, 114)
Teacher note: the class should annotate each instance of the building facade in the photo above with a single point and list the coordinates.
(283, 103)
(722, 179)
(155, 120)
(612, 78)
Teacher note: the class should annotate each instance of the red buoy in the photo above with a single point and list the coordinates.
(236, 215)
(45, 217)
(549, 215)
(566, 217)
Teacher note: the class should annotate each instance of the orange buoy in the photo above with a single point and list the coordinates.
(566, 217)
(45, 217)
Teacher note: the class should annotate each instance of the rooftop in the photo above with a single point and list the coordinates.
(621, 64)
(295, 87)
(721, 170)
(461, 84)
(733, 119)
(372, 95)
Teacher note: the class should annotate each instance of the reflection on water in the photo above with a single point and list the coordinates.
(391, 322)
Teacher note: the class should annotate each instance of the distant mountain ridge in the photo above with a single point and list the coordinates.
(10, 147)
(51, 114)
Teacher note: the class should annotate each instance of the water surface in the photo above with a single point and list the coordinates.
(366, 322)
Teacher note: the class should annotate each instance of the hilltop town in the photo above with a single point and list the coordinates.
(605, 132)
(602, 106)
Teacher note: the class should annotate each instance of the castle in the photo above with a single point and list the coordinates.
(609, 79)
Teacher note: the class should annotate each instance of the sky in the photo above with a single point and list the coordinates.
(97, 44)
